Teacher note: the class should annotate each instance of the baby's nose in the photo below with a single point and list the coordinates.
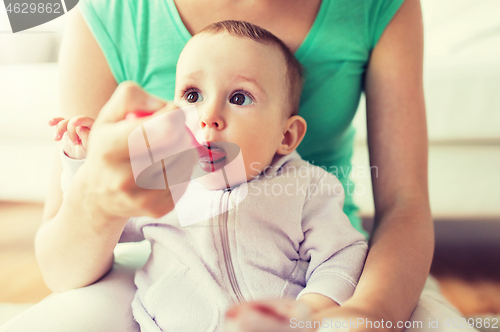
(214, 124)
(213, 120)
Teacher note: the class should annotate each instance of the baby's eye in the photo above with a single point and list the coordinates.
(241, 99)
(193, 97)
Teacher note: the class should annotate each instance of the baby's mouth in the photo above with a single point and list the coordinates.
(212, 157)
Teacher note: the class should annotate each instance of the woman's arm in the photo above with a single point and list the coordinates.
(402, 243)
(85, 85)
(74, 245)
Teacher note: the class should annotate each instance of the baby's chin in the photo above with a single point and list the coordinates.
(226, 175)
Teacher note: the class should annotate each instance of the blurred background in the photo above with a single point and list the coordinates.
(462, 88)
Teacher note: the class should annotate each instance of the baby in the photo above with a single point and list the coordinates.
(285, 237)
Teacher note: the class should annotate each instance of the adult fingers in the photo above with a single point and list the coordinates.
(123, 136)
(128, 97)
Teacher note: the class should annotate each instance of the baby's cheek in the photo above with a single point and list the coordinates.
(255, 164)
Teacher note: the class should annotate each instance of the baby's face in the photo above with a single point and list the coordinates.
(239, 89)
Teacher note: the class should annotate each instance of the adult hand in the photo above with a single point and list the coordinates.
(287, 315)
(275, 315)
(351, 318)
(106, 179)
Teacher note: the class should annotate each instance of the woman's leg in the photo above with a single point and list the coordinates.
(432, 313)
(435, 313)
(102, 306)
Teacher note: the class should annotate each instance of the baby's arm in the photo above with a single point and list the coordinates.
(335, 250)
(317, 302)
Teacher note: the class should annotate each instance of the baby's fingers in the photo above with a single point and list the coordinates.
(83, 133)
(54, 121)
(60, 129)
(77, 121)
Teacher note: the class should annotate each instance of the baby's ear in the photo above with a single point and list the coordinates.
(293, 133)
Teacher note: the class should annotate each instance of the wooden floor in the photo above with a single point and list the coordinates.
(467, 263)
(21, 280)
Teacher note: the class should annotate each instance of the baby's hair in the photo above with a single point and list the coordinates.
(295, 71)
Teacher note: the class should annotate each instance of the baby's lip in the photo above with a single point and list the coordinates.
(212, 152)
(212, 156)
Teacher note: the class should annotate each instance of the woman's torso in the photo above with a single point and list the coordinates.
(291, 26)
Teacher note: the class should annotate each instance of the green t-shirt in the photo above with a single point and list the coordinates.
(142, 40)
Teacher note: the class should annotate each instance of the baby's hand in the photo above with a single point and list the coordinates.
(74, 133)
(278, 315)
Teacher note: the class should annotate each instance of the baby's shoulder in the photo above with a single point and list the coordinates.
(314, 175)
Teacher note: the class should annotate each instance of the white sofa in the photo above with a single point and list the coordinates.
(462, 86)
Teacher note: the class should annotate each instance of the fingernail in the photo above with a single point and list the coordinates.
(232, 313)
(276, 312)
(56, 136)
